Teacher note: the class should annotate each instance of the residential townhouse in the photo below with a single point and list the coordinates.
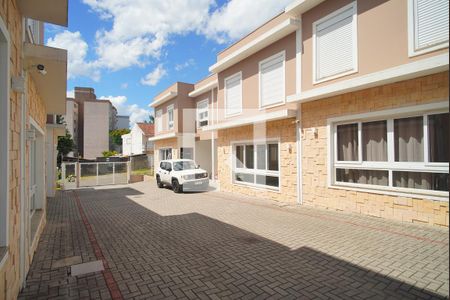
(32, 86)
(341, 105)
(181, 113)
(137, 141)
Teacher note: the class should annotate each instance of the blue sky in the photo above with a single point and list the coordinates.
(131, 50)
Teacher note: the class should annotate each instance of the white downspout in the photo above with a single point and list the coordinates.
(298, 87)
(213, 142)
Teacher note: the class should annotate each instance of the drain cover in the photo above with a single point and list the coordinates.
(65, 262)
(86, 268)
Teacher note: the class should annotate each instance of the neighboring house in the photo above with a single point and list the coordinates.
(28, 136)
(326, 106)
(123, 122)
(137, 141)
(89, 120)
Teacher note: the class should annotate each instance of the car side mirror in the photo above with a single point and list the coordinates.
(169, 170)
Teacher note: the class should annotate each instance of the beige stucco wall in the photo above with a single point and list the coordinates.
(250, 78)
(96, 128)
(314, 159)
(382, 37)
(283, 130)
(9, 272)
(181, 102)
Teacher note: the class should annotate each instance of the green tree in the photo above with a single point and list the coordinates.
(151, 120)
(109, 153)
(116, 135)
(65, 146)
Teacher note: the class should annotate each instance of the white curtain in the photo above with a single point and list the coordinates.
(408, 134)
(363, 176)
(438, 126)
(347, 142)
(374, 141)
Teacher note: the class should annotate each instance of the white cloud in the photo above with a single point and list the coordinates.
(136, 113)
(152, 78)
(77, 50)
(124, 86)
(189, 63)
(141, 28)
(239, 17)
(70, 94)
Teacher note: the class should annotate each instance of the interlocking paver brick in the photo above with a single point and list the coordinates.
(160, 245)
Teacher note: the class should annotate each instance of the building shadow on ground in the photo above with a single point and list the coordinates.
(195, 256)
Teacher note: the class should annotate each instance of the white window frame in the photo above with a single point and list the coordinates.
(412, 34)
(282, 101)
(238, 74)
(200, 110)
(390, 165)
(159, 120)
(255, 171)
(354, 6)
(170, 123)
(5, 79)
(165, 149)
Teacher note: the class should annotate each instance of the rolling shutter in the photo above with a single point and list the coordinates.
(431, 22)
(272, 81)
(335, 38)
(233, 90)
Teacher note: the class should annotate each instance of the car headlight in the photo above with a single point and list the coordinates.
(188, 177)
(205, 175)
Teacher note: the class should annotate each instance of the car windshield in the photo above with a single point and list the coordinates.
(184, 165)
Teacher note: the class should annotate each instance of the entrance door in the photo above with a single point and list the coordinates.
(33, 176)
(165, 154)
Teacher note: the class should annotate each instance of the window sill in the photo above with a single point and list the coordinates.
(390, 192)
(259, 188)
(3, 256)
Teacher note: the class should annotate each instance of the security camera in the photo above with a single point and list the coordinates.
(41, 69)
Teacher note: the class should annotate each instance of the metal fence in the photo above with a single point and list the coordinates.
(76, 175)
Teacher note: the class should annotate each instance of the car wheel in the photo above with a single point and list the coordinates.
(159, 183)
(177, 188)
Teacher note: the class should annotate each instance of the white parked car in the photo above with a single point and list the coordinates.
(182, 175)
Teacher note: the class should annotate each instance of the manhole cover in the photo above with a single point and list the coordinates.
(86, 268)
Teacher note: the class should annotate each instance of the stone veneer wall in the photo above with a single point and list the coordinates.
(9, 272)
(315, 114)
(285, 131)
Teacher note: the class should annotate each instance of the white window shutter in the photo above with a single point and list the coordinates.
(335, 44)
(272, 81)
(158, 120)
(431, 22)
(234, 95)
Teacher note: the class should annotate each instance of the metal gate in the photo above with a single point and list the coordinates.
(76, 175)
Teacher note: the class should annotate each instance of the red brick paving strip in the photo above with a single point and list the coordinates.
(110, 281)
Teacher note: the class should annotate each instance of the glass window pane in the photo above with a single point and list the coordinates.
(374, 141)
(408, 135)
(249, 157)
(242, 177)
(187, 153)
(273, 157)
(438, 137)
(347, 142)
(261, 157)
(239, 156)
(267, 180)
(362, 176)
(423, 181)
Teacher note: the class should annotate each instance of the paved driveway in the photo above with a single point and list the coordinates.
(155, 244)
